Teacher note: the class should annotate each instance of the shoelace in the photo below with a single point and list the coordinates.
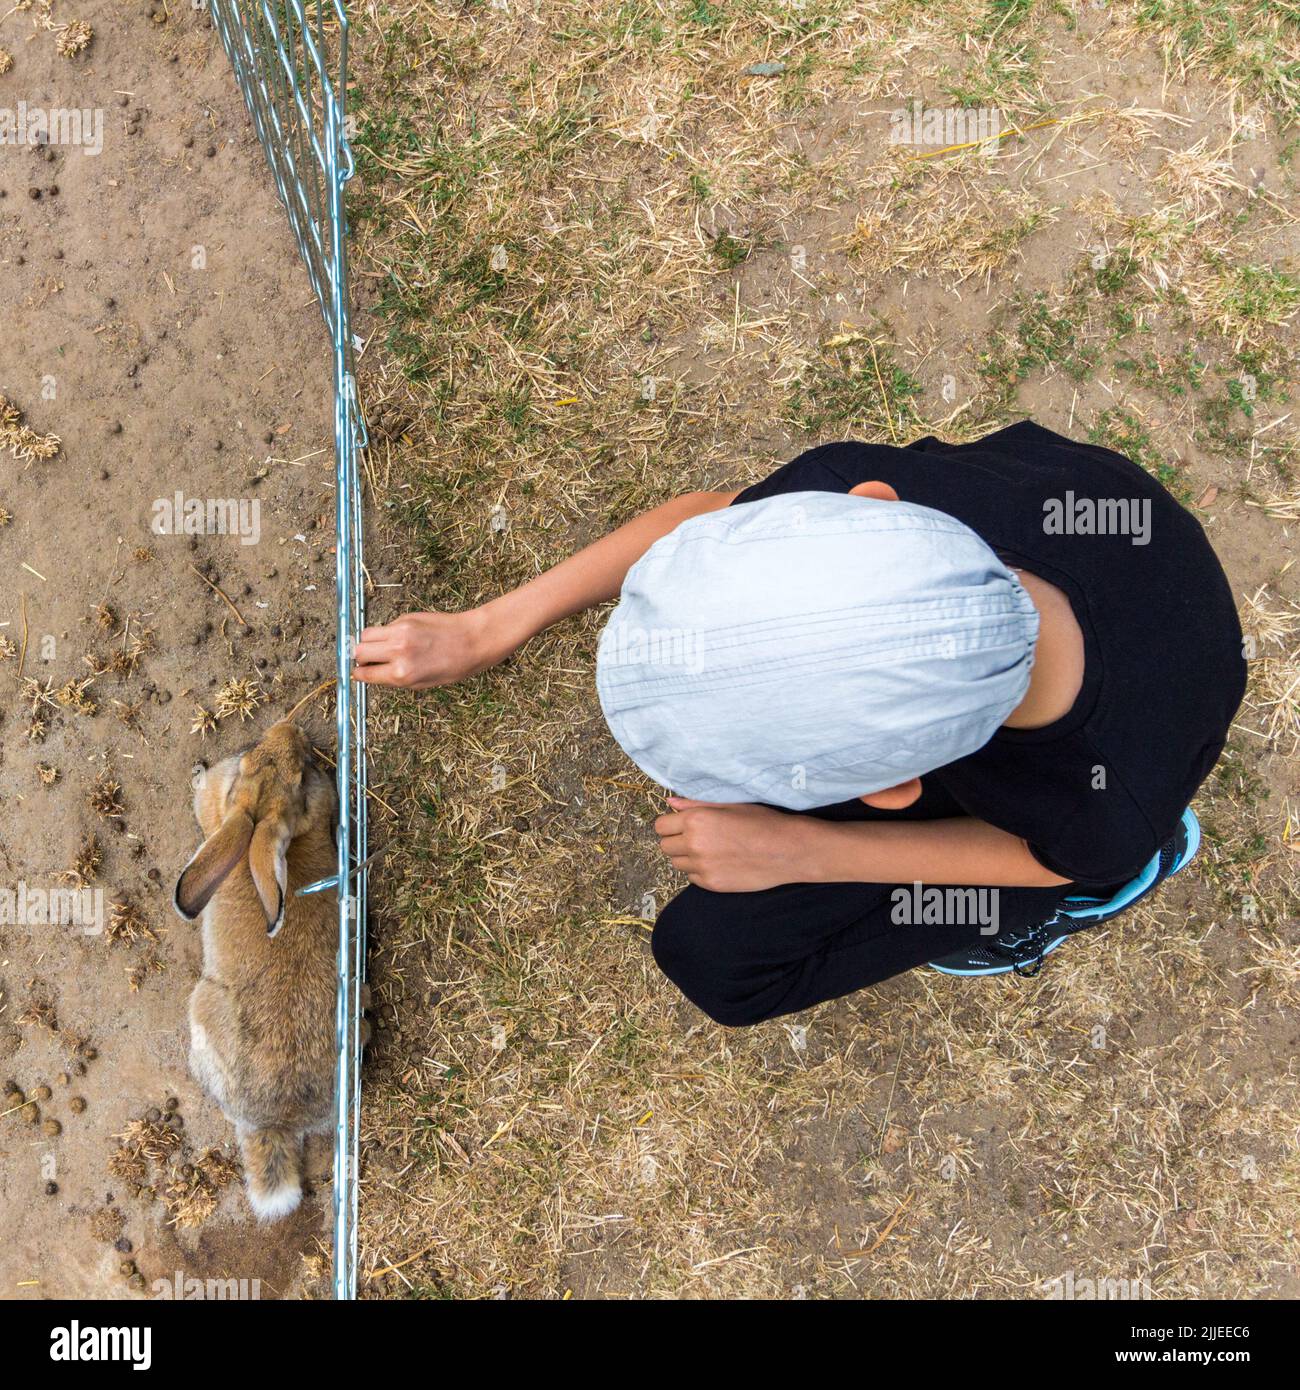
(1025, 952)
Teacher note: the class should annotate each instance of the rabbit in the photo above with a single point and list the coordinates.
(262, 1016)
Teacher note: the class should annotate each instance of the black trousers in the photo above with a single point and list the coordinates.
(747, 957)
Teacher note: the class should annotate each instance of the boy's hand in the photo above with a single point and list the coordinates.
(420, 650)
(735, 848)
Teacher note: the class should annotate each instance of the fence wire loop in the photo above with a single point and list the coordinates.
(290, 59)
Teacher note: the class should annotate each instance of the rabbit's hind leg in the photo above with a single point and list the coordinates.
(209, 1028)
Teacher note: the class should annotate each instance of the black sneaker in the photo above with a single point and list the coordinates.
(1023, 951)
(1020, 951)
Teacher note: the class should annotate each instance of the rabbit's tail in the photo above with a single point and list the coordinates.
(271, 1171)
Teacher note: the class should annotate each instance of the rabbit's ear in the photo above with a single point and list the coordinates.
(215, 858)
(270, 873)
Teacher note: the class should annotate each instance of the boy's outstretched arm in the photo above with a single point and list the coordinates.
(420, 650)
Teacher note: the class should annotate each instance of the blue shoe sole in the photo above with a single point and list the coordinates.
(1090, 911)
(998, 969)
(1096, 913)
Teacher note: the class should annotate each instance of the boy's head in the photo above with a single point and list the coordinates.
(813, 647)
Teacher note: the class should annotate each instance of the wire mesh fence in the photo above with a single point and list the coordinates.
(290, 60)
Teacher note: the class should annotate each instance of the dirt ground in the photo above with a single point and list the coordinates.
(157, 321)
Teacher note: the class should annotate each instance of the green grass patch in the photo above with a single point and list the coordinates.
(1123, 432)
(857, 388)
(1047, 334)
(1256, 42)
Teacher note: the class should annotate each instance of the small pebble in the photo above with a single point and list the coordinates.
(51, 1189)
(42, 1093)
(77, 1105)
(52, 1129)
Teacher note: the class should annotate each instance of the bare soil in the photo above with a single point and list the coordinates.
(157, 320)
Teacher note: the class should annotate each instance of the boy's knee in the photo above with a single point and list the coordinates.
(686, 947)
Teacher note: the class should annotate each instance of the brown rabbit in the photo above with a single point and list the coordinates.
(262, 1015)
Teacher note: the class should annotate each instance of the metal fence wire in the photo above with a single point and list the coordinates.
(290, 60)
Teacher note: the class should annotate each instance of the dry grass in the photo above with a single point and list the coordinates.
(89, 861)
(239, 696)
(940, 231)
(22, 441)
(106, 796)
(606, 263)
(155, 1161)
(127, 924)
(1274, 697)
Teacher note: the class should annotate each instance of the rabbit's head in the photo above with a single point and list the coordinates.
(256, 804)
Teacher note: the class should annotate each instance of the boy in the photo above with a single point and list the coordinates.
(1003, 668)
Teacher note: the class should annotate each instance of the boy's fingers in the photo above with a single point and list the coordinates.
(371, 649)
(684, 803)
(380, 673)
(669, 825)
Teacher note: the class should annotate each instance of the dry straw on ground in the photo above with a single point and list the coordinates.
(608, 256)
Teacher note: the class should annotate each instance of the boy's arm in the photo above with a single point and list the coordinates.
(741, 848)
(428, 649)
(963, 851)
